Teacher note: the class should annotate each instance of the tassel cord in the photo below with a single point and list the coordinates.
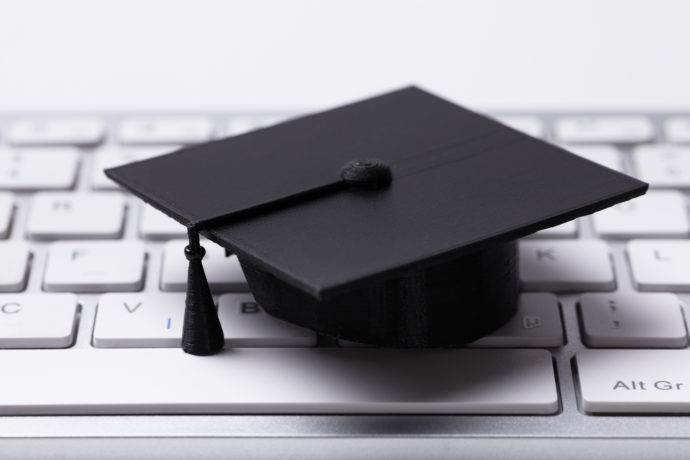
(202, 333)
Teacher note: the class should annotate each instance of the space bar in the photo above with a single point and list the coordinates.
(277, 381)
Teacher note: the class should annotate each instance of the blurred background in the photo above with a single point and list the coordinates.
(129, 55)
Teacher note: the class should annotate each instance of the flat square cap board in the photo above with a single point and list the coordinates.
(360, 222)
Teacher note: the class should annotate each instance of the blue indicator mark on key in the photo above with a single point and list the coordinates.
(169, 321)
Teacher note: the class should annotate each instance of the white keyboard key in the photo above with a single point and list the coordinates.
(14, 265)
(94, 266)
(663, 165)
(678, 129)
(580, 265)
(660, 265)
(245, 324)
(605, 155)
(531, 126)
(278, 380)
(604, 129)
(632, 321)
(37, 320)
(634, 381)
(139, 320)
(109, 157)
(155, 225)
(37, 169)
(165, 130)
(60, 215)
(6, 212)
(56, 131)
(656, 214)
(566, 230)
(537, 323)
(223, 273)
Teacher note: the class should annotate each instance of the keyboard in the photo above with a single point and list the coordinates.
(92, 298)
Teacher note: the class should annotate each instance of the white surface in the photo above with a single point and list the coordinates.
(15, 263)
(581, 265)
(38, 168)
(63, 215)
(245, 324)
(537, 323)
(632, 321)
(302, 54)
(656, 214)
(288, 380)
(37, 320)
(94, 266)
(374, 447)
(610, 381)
(223, 273)
(660, 265)
(139, 320)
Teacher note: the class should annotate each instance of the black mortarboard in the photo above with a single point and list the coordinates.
(391, 221)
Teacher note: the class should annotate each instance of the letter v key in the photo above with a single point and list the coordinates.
(131, 309)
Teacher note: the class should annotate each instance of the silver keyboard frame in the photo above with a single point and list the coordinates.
(461, 431)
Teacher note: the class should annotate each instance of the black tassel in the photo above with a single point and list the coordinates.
(202, 333)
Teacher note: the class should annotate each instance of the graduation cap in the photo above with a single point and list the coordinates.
(391, 221)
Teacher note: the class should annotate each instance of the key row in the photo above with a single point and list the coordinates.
(137, 321)
(602, 129)
(101, 215)
(56, 168)
(144, 320)
(586, 265)
(114, 266)
(545, 265)
(658, 214)
(194, 129)
(128, 131)
(293, 381)
(607, 320)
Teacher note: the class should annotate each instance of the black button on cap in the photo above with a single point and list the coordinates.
(371, 174)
